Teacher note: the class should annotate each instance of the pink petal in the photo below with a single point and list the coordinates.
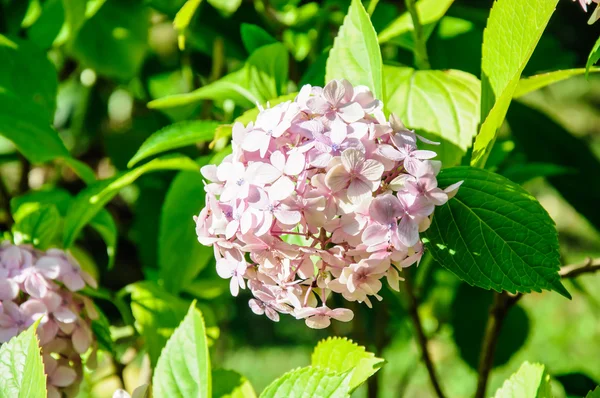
(408, 231)
(272, 314)
(8, 289)
(73, 281)
(358, 190)
(281, 189)
(337, 178)
(372, 170)
(390, 152)
(352, 159)
(318, 322)
(65, 315)
(341, 314)
(63, 376)
(8, 333)
(288, 217)
(424, 154)
(374, 234)
(318, 105)
(351, 112)
(81, 340)
(234, 287)
(334, 92)
(385, 209)
(256, 307)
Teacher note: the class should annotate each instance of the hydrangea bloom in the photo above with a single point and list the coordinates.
(321, 194)
(42, 285)
(596, 14)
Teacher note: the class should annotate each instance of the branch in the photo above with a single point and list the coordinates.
(420, 51)
(422, 339)
(503, 302)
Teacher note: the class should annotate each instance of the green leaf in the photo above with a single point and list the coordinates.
(81, 169)
(355, 55)
(21, 367)
(180, 256)
(442, 105)
(531, 127)
(226, 7)
(31, 99)
(400, 31)
(530, 381)
(101, 330)
(254, 37)
(183, 369)
(263, 77)
(512, 33)
(337, 354)
(594, 394)
(157, 314)
(105, 225)
(536, 82)
(493, 234)
(93, 198)
(175, 136)
(309, 382)
(183, 18)
(593, 57)
(114, 41)
(39, 227)
(229, 384)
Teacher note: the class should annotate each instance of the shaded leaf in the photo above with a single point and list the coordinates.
(183, 18)
(341, 355)
(355, 55)
(21, 367)
(180, 256)
(594, 394)
(493, 234)
(229, 384)
(183, 369)
(530, 381)
(175, 136)
(254, 37)
(93, 198)
(443, 105)
(512, 33)
(522, 173)
(593, 57)
(105, 225)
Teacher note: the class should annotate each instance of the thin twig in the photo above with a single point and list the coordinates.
(5, 203)
(421, 338)
(420, 51)
(503, 302)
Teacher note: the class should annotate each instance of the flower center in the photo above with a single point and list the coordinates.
(240, 182)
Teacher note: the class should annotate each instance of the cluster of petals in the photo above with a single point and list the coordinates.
(320, 195)
(596, 14)
(36, 285)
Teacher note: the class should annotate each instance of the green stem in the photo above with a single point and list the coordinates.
(371, 7)
(420, 51)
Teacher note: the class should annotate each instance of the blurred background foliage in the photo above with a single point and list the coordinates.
(110, 59)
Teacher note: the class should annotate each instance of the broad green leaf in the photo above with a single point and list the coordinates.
(114, 41)
(75, 16)
(101, 330)
(229, 384)
(495, 235)
(521, 173)
(263, 77)
(254, 37)
(400, 31)
(175, 136)
(337, 354)
(93, 198)
(442, 105)
(594, 394)
(39, 227)
(183, 369)
(531, 127)
(593, 57)
(183, 18)
(180, 256)
(530, 381)
(157, 314)
(309, 382)
(512, 33)
(81, 169)
(536, 82)
(355, 55)
(226, 7)
(47, 27)
(21, 367)
(31, 100)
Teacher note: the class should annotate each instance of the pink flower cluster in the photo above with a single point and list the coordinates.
(41, 285)
(320, 195)
(596, 14)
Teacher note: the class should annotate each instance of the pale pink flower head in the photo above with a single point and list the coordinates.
(320, 196)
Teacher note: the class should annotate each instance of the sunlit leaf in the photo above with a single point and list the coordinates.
(39, 227)
(512, 33)
(355, 55)
(309, 382)
(254, 37)
(21, 367)
(183, 369)
(530, 381)
(593, 57)
(536, 82)
(183, 18)
(229, 384)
